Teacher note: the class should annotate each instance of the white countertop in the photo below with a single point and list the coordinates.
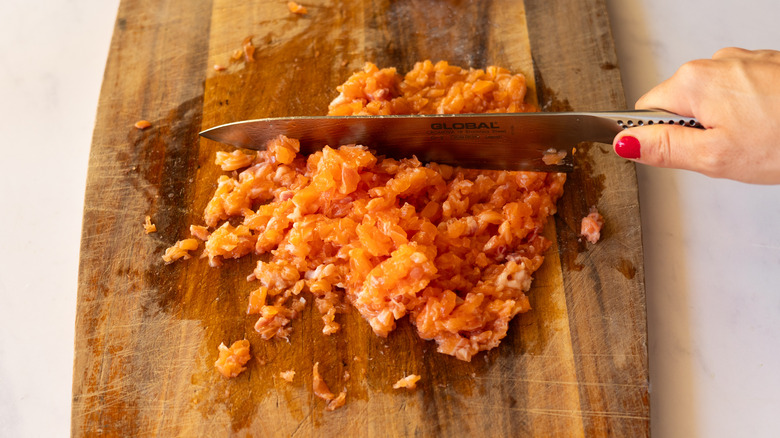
(712, 247)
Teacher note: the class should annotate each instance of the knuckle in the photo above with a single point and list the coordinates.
(692, 74)
(771, 55)
(676, 150)
(713, 161)
(692, 68)
(663, 150)
(764, 55)
(729, 52)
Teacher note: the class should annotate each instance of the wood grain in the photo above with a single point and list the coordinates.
(575, 60)
(147, 333)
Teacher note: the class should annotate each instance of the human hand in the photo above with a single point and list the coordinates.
(736, 97)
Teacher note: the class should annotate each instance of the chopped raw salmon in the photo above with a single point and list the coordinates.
(553, 156)
(319, 386)
(180, 250)
(149, 227)
(338, 401)
(408, 382)
(453, 249)
(232, 360)
(295, 8)
(591, 226)
(249, 49)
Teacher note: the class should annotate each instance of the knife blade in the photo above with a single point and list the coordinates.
(506, 141)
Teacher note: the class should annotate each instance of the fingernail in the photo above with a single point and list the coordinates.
(627, 147)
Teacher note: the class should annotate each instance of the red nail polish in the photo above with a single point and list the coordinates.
(627, 147)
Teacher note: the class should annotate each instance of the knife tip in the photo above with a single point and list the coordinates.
(207, 133)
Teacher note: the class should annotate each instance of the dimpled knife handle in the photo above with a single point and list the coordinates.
(630, 119)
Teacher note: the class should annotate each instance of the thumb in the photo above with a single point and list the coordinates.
(665, 146)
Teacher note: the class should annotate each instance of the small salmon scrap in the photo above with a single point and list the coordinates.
(591, 226)
(322, 391)
(149, 227)
(199, 232)
(295, 8)
(408, 382)
(235, 160)
(180, 250)
(249, 49)
(552, 157)
(338, 401)
(142, 124)
(232, 360)
(287, 375)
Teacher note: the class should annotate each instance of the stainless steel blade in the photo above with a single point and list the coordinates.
(511, 141)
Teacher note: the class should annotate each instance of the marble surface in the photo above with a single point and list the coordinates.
(712, 247)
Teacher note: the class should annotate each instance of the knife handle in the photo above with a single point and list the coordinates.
(631, 118)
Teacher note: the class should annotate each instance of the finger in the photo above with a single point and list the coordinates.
(669, 146)
(674, 94)
(665, 96)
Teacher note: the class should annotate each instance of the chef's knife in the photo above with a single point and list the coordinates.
(511, 141)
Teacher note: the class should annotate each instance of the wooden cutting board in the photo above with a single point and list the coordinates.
(147, 333)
